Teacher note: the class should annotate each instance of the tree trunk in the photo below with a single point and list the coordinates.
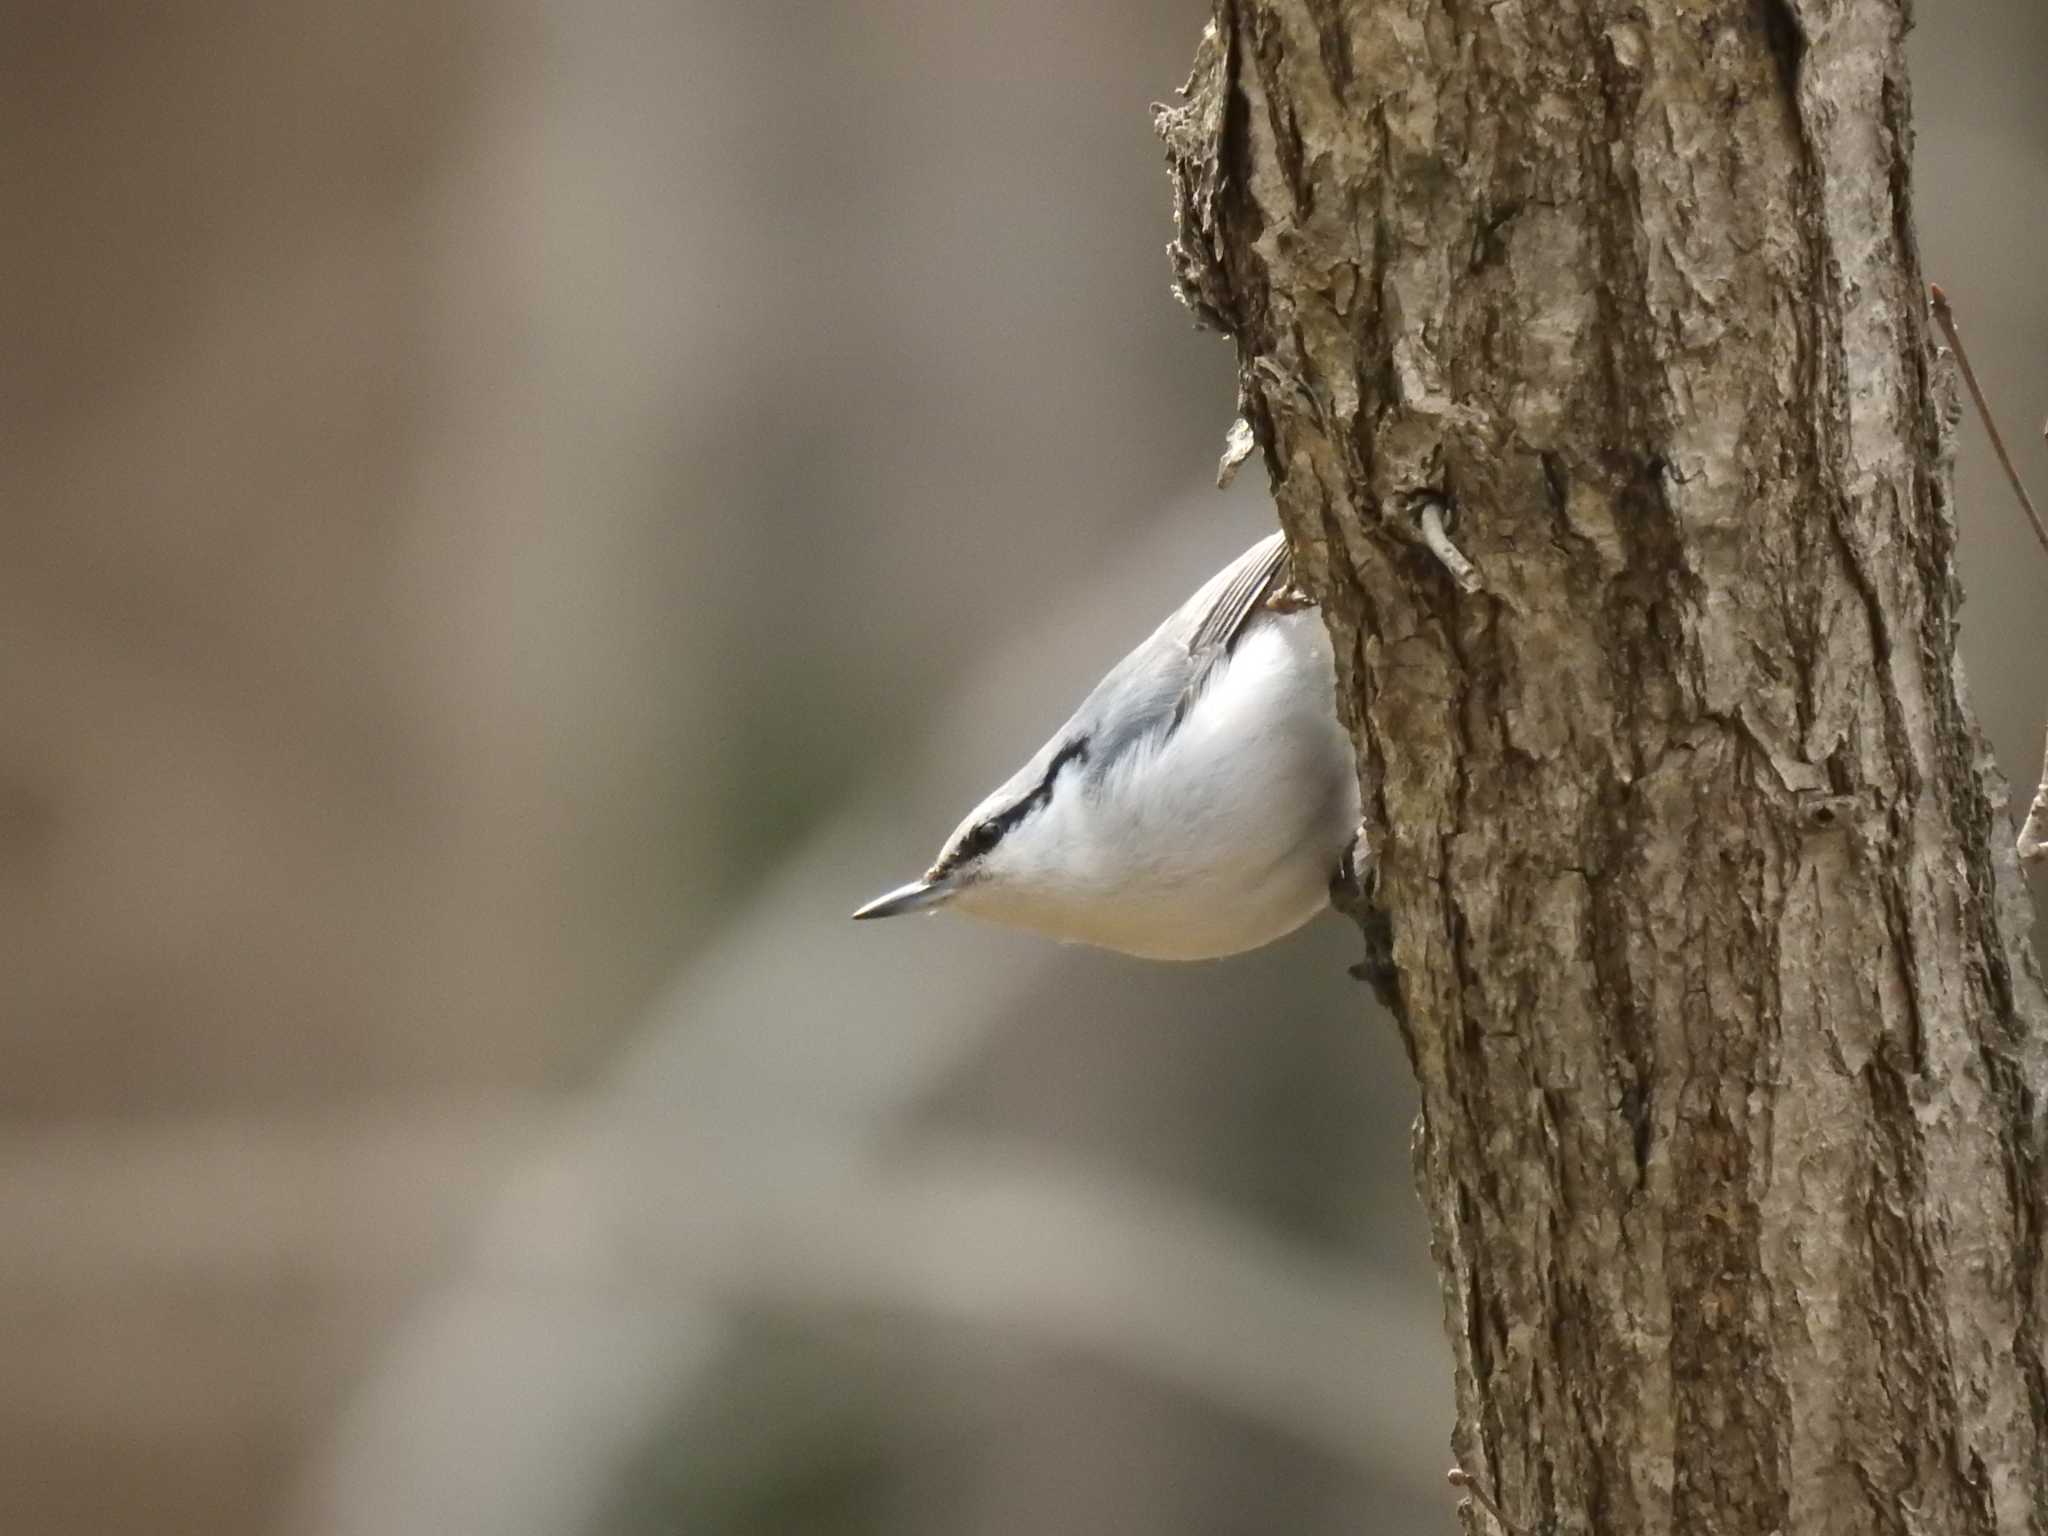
(1710, 944)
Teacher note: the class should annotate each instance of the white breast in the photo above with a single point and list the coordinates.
(1218, 838)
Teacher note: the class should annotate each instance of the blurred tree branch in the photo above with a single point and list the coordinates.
(1710, 942)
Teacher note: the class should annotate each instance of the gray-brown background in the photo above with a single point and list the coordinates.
(513, 518)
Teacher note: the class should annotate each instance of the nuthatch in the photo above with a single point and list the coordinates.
(1199, 802)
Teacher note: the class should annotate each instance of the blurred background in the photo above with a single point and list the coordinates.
(517, 516)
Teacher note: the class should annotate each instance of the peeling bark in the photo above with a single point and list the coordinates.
(1711, 950)
(2033, 840)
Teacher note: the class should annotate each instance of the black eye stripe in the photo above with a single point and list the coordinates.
(987, 834)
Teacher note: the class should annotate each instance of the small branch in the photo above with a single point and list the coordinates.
(2033, 843)
(1463, 571)
(1458, 1477)
(1946, 318)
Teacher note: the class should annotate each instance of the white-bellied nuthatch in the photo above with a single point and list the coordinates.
(1199, 802)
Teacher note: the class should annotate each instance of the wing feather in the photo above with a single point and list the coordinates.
(1220, 611)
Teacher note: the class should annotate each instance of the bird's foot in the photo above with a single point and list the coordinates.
(1357, 876)
(1289, 598)
(1354, 891)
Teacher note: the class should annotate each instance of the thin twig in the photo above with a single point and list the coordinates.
(1458, 1477)
(2033, 840)
(1463, 571)
(1946, 318)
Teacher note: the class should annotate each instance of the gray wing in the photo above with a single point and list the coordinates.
(1147, 694)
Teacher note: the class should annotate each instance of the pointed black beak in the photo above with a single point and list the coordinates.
(918, 896)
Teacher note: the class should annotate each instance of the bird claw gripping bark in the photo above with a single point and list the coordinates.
(1354, 891)
(1289, 598)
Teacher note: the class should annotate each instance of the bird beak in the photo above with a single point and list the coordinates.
(918, 896)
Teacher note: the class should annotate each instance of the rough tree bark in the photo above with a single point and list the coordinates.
(1709, 937)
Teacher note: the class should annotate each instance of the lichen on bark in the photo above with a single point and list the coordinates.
(1711, 952)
